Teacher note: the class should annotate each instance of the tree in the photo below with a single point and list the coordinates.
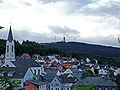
(7, 83)
(83, 87)
(118, 81)
(88, 73)
(1, 27)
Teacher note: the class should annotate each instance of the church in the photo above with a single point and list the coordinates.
(17, 67)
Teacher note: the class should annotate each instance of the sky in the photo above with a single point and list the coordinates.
(88, 21)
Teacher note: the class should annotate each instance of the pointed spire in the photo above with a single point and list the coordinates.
(10, 36)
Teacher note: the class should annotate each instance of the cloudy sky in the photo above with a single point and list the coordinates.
(89, 21)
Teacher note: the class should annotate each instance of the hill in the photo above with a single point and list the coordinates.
(89, 49)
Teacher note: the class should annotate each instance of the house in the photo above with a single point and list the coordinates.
(39, 85)
(99, 83)
(88, 60)
(29, 86)
(71, 70)
(62, 82)
(25, 55)
(102, 72)
(19, 73)
(10, 51)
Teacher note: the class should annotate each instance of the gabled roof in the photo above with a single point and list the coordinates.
(50, 75)
(37, 82)
(10, 36)
(64, 79)
(74, 70)
(18, 72)
(96, 81)
(21, 62)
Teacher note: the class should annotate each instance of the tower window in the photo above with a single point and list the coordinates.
(7, 48)
(12, 48)
(39, 72)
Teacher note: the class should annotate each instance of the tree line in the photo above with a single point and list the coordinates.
(31, 48)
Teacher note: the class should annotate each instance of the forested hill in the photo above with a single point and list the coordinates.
(31, 48)
(88, 49)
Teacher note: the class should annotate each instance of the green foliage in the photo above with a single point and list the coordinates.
(7, 83)
(76, 55)
(96, 71)
(80, 66)
(1, 27)
(31, 48)
(118, 81)
(83, 87)
(41, 63)
(88, 73)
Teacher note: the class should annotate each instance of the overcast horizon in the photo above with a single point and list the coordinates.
(87, 21)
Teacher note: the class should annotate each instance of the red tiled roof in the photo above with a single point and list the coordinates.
(30, 86)
(61, 70)
(47, 60)
(54, 62)
(53, 67)
(65, 65)
(45, 67)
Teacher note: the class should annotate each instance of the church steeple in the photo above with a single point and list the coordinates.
(10, 51)
(10, 36)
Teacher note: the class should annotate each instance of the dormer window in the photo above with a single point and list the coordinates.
(69, 75)
(10, 74)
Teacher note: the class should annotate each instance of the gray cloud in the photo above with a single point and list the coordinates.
(25, 3)
(43, 38)
(63, 30)
(49, 1)
(25, 35)
(1, 1)
(72, 5)
(70, 34)
(111, 9)
(101, 40)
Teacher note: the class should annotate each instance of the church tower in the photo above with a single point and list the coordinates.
(10, 51)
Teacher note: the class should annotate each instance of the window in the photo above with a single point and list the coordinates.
(12, 48)
(26, 84)
(106, 88)
(113, 88)
(39, 72)
(100, 89)
(35, 71)
(7, 48)
(10, 74)
(57, 84)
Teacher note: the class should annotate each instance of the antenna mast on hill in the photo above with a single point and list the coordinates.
(55, 39)
(119, 28)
